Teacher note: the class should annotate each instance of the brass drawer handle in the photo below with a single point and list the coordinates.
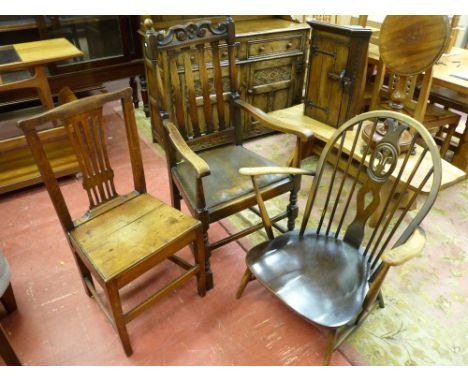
(224, 54)
(288, 45)
(261, 49)
(192, 58)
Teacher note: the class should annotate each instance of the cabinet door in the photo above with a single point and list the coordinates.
(272, 85)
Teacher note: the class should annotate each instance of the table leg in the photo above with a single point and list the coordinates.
(42, 86)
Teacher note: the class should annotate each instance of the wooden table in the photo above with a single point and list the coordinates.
(17, 167)
(34, 56)
(456, 62)
(322, 132)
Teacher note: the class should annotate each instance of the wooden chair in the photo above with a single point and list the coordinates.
(330, 271)
(409, 47)
(195, 65)
(121, 236)
(7, 298)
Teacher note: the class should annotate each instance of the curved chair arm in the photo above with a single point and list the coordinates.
(302, 133)
(254, 171)
(401, 254)
(198, 164)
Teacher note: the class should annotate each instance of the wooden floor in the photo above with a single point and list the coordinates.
(57, 324)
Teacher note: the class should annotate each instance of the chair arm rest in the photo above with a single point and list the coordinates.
(253, 171)
(301, 132)
(401, 254)
(198, 164)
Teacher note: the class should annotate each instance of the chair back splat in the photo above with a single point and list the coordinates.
(195, 65)
(362, 200)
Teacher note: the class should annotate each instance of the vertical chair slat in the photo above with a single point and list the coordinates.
(218, 83)
(207, 109)
(176, 88)
(190, 91)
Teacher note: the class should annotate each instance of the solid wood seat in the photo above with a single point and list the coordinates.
(120, 237)
(224, 182)
(321, 278)
(197, 109)
(129, 234)
(353, 229)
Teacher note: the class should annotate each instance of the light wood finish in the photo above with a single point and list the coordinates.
(191, 124)
(447, 65)
(121, 236)
(42, 52)
(323, 133)
(403, 253)
(328, 274)
(17, 167)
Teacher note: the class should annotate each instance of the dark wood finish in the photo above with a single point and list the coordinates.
(331, 273)
(337, 72)
(270, 56)
(409, 52)
(7, 353)
(121, 236)
(79, 75)
(8, 299)
(209, 181)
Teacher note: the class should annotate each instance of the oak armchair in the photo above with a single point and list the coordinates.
(195, 68)
(330, 272)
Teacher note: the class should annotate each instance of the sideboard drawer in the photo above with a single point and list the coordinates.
(274, 46)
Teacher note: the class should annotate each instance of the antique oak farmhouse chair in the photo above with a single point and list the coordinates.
(409, 47)
(199, 107)
(331, 270)
(120, 237)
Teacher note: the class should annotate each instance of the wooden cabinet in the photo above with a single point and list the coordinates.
(271, 56)
(336, 75)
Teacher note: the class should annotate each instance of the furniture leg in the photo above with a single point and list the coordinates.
(175, 195)
(6, 350)
(8, 300)
(460, 158)
(331, 339)
(85, 274)
(448, 138)
(245, 280)
(208, 272)
(144, 94)
(117, 314)
(43, 88)
(380, 300)
(133, 84)
(199, 254)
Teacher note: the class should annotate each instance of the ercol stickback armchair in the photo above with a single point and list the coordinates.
(199, 106)
(120, 237)
(330, 271)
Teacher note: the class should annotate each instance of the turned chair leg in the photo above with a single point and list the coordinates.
(331, 340)
(6, 350)
(292, 209)
(248, 276)
(117, 314)
(8, 300)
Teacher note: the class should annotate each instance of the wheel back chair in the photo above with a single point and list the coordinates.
(331, 270)
(409, 47)
(120, 237)
(195, 67)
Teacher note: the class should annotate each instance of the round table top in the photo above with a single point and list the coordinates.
(412, 44)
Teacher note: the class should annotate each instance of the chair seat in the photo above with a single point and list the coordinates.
(131, 233)
(225, 183)
(321, 278)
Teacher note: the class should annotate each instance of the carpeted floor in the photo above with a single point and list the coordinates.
(425, 321)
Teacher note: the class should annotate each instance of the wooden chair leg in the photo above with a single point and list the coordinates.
(208, 271)
(6, 350)
(331, 340)
(144, 94)
(117, 314)
(85, 274)
(8, 300)
(245, 280)
(447, 139)
(199, 254)
(380, 299)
